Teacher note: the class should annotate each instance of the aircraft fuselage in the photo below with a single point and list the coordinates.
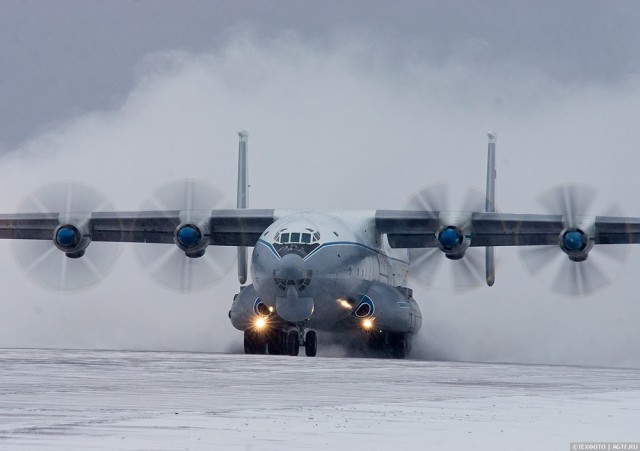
(320, 268)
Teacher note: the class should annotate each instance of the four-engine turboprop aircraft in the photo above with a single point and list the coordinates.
(329, 271)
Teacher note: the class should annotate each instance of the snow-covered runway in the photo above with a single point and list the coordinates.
(63, 399)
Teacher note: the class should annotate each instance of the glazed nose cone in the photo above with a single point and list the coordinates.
(292, 277)
(291, 267)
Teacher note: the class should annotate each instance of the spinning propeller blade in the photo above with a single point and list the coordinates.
(430, 267)
(567, 277)
(47, 265)
(167, 264)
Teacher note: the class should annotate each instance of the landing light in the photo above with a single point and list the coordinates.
(367, 324)
(345, 304)
(260, 323)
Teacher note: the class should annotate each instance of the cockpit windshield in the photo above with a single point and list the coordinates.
(306, 236)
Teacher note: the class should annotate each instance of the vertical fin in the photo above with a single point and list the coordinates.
(490, 205)
(243, 187)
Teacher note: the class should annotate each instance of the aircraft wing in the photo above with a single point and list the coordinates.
(421, 229)
(236, 227)
(454, 233)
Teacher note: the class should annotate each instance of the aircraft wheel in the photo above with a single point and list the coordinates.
(311, 344)
(398, 344)
(277, 343)
(293, 345)
(375, 341)
(254, 343)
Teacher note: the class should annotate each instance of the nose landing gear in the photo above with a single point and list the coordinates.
(279, 342)
(293, 343)
(295, 338)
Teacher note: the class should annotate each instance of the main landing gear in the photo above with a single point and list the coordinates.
(394, 344)
(398, 345)
(311, 344)
(254, 342)
(278, 342)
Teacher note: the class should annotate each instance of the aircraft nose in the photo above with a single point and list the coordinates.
(292, 277)
(291, 267)
(292, 272)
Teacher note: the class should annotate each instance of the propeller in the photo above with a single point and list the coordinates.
(567, 270)
(430, 266)
(172, 265)
(45, 261)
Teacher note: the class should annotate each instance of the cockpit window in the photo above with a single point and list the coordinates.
(310, 236)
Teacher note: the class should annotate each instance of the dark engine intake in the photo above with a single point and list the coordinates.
(452, 241)
(576, 243)
(192, 238)
(72, 239)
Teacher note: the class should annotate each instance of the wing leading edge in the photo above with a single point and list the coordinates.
(420, 229)
(405, 229)
(241, 227)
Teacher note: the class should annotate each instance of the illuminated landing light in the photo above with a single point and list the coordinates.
(345, 304)
(367, 324)
(260, 323)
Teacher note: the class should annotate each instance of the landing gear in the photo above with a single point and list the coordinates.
(294, 338)
(293, 343)
(398, 345)
(254, 343)
(311, 344)
(375, 341)
(387, 344)
(279, 342)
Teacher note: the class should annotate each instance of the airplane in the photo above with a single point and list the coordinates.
(330, 271)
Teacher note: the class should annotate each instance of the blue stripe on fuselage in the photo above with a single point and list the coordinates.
(271, 248)
(333, 243)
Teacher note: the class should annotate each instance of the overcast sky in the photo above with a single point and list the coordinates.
(374, 100)
(65, 57)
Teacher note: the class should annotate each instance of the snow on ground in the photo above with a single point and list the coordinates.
(86, 400)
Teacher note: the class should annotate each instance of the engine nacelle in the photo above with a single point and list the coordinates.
(453, 236)
(73, 235)
(365, 309)
(452, 241)
(576, 243)
(193, 235)
(247, 308)
(389, 308)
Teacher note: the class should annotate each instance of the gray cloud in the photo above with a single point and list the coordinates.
(72, 56)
